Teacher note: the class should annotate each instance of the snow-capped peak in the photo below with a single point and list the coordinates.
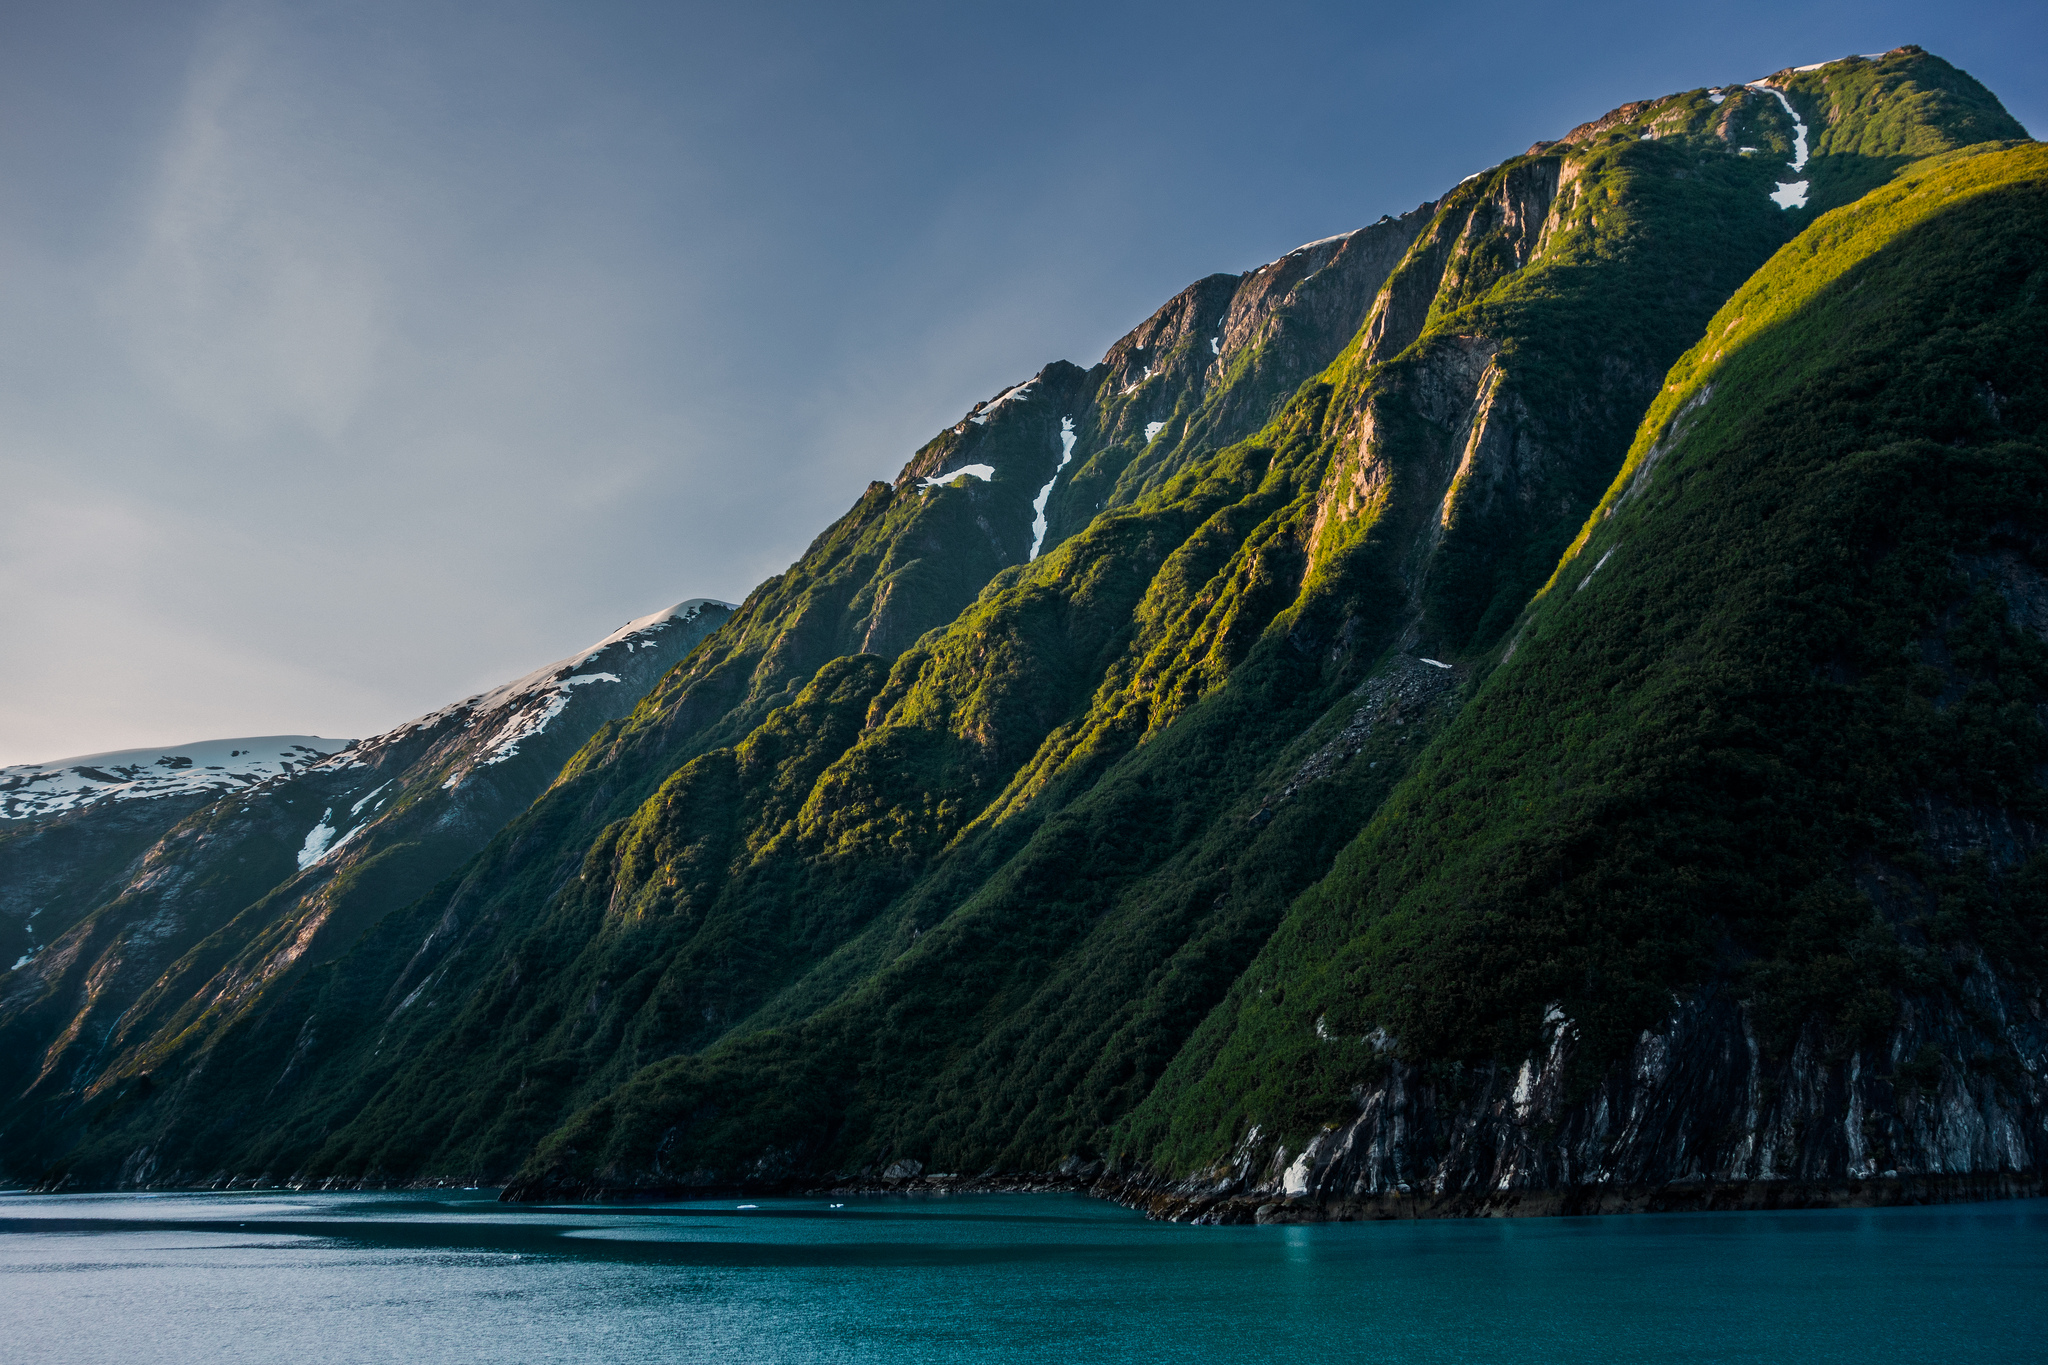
(525, 705)
(211, 765)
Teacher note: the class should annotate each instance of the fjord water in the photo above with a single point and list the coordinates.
(314, 1278)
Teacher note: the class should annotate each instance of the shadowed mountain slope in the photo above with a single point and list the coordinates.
(198, 900)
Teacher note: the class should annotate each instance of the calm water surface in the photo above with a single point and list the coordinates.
(313, 1278)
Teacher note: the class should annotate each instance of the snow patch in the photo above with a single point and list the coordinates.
(505, 743)
(1322, 241)
(1433, 663)
(210, 766)
(1016, 392)
(1215, 345)
(1791, 194)
(1038, 523)
(984, 472)
(357, 808)
(1152, 430)
(317, 840)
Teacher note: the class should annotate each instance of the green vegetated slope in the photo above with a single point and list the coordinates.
(190, 1075)
(211, 905)
(942, 853)
(1035, 984)
(1773, 724)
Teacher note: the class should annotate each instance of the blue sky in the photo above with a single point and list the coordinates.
(356, 356)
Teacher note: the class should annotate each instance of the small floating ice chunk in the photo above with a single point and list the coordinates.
(984, 472)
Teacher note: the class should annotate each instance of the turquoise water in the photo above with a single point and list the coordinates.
(315, 1278)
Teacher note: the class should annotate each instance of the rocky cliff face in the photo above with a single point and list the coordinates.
(1951, 1102)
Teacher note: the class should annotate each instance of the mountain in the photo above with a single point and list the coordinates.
(60, 867)
(1530, 704)
(167, 891)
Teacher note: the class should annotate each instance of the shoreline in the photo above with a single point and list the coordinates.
(1174, 1201)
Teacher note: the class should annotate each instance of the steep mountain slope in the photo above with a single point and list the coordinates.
(1033, 986)
(197, 894)
(940, 852)
(1734, 869)
(907, 558)
(70, 829)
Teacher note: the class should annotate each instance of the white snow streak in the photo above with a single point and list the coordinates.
(1152, 430)
(357, 808)
(1791, 194)
(981, 416)
(984, 472)
(317, 840)
(505, 744)
(1596, 568)
(1038, 504)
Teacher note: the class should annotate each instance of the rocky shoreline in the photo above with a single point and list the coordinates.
(1183, 1202)
(1176, 1203)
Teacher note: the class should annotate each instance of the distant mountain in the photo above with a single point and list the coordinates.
(56, 862)
(1534, 704)
(209, 767)
(122, 891)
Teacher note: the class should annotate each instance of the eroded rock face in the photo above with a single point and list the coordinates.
(1697, 1108)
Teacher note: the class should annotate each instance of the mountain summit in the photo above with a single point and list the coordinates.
(1534, 704)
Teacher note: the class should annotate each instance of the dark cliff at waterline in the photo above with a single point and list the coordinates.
(1232, 791)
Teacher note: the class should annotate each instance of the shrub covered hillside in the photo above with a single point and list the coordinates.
(1759, 778)
(1019, 823)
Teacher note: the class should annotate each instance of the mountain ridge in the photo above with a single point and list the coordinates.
(966, 843)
